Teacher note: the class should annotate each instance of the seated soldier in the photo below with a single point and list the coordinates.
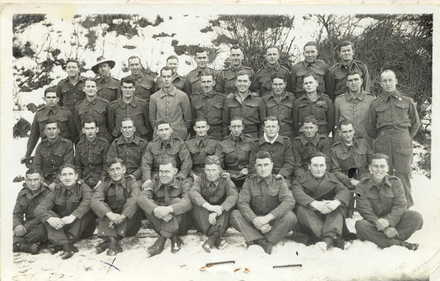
(382, 203)
(28, 230)
(264, 215)
(65, 212)
(201, 146)
(322, 200)
(165, 201)
(213, 196)
(114, 202)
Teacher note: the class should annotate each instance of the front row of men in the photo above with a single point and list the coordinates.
(264, 211)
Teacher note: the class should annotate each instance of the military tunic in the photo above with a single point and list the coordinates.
(337, 78)
(201, 147)
(145, 85)
(193, 84)
(226, 79)
(210, 106)
(178, 82)
(283, 109)
(303, 148)
(131, 152)
(90, 159)
(319, 67)
(98, 109)
(108, 88)
(70, 95)
(322, 109)
(262, 83)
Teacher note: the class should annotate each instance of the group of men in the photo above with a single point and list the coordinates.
(267, 152)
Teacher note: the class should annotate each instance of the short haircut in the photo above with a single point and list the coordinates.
(68, 165)
(89, 119)
(31, 171)
(310, 119)
(52, 120)
(128, 80)
(376, 156)
(165, 160)
(272, 47)
(310, 43)
(134, 57)
(115, 160)
(345, 122)
(161, 122)
(235, 47)
(127, 119)
(72, 60)
(311, 74)
(213, 160)
(388, 71)
(263, 154)
(201, 119)
(354, 72)
(279, 75)
(165, 68)
(236, 118)
(271, 118)
(317, 154)
(172, 57)
(244, 72)
(207, 73)
(200, 50)
(89, 79)
(344, 44)
(52, 89)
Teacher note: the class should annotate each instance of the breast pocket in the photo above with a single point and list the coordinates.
(250, 111)
(382, 115)
(320, 111)
(402, 110)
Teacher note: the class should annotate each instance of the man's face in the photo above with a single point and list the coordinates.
(104, 69)
(236, 57)
(127, 90)
(90, 89)
(310, 130)
(272, 55)
(346, 53)
(90, 130)
(236, 128)
(263, 167)
(164, 131)
(243, 83)
(134, 65)
(317, 166)
(51, 99)
(379, 169)
(167, 173)
(202, 59)
(72, 69)
(167, 78)
(310, 84)
(33, 181)
(173, 64)
(51, 131)
(208, 83)
(354, 83)
(201, 128)
(388, 81)
(128, 129)
(310, 54)
(212, 172)
(68, 176)
(116, 171)
(271, 128)
(278, 86)
(347, 133)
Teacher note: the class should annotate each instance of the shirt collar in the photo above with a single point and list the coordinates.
(169, 92)
(131, 103)
(266, 139)
(267, 180)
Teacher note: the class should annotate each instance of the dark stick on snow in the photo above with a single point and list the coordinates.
(287, 265)
(209, 264)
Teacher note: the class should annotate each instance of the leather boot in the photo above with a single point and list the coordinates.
(157, 247)
(176, 244)
(102, 246)
(209, 243)
(266, 245)
(67, 251)
(114, 248)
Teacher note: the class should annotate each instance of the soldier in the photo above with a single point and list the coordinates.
(90, 154)
(310, 64)
(316, 104)
(143, 79)
(65, 212)
(165, 145)
(202, 146)
(337, 77)
(213, 196)
(29, 232)
(95, 107)
(280, 103)
(131, 107)
(308, 143)
(209, 104)
(70, 90)
(177, 80)
(129, 148)
(51, 153)
(172, 105)
(236, 152)
(262, 83)
(246, 104)
(393, 122)
(322, 200)
(226, 78)
(353, 105)
(50, 111)
(192, 81)
(165, 201)
(107, 86)
(114, 202)
(382, 204)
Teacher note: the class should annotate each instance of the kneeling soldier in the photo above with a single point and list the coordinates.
(213, 196)
(114, 202)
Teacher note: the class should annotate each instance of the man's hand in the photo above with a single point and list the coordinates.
(113, 217)
(163, 212)
(207, 206)
(147, 184)
(244, 171)
(259, 222)
(218, 209)
(333, 204)
(321, 207)
(382, 224)
(212, 218)
(354, 182)
(52, 186)
(55, 222)
(391, 232)
(68, 219)
(20, 230)
(265, 228)
(120, 218)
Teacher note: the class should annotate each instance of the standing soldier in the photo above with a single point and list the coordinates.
(213, 196)
(192, 82)
(28, 230)
(143, 79)
(245, 104)
(107, 86)
(310, 64)
(177, 80)
(337, 79)
(70, 90)
(226, 78)
(262, 83)
(209, 104)
(393, 122)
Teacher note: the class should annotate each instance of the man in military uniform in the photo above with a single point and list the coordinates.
(247, 105)
(313, 103)
(107, 87)
(165, 145)
(209, 104)
(51, 153)
(310, 64)
(382, 204)
(172, 105)
(177, 80)
(322, 200)
(280, 103)
(90, 154)
(165, 202)
(192, 81)
(143, 79)
(114, 202)
(129, 148)
(236, 152)
(28, 230)
(226, 78)
(95, 107)
(213, 197)
(262, 83)
(337, 79)
(50, 111)
(66, 212)
(201, 146)
(130, 106)
(393, 122)
(70, 90)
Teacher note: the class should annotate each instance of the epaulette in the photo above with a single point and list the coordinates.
(255, 94)
(230, 96)
(336, 143)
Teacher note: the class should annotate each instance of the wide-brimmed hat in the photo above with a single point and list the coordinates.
(101, 60)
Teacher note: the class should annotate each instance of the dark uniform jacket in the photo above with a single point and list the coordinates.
(178, 82)
(129, 151)
(145, 85)
(137, 110)
(337, 77)
(70, 95)
(109, 88)
(299, 70)
(192, 82)
(226, 79)
(262, 83)
(236, 153)
(303, 148)
(200, 148)
(90, 158)
(24, 209)
(210, 106)
(322, 109)
(99, 109)
(283, 109)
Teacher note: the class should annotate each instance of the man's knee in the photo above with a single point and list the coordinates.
(362, 226)
(414, 217)
(290, 218)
